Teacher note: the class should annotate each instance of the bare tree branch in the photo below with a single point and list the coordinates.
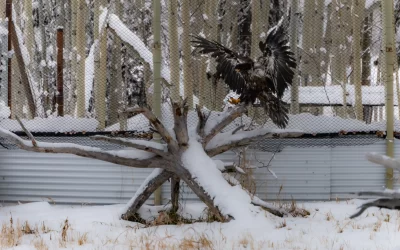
(28, 133)
(236, 112)
(138, 144)
(380, 203)
(386, 161)
(388, 194)
(165, 135)
(225, 141)
(202, 121)
(180, 112)
(84, 151)
(237, 129)
(153, 181)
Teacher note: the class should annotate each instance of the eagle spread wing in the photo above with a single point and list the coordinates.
(264, 79)
(227, 61)
(278, 59)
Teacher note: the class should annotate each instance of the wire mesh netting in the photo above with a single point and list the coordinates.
(73, 66)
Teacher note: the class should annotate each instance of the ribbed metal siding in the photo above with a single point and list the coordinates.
(303, 173)
(27, 176)
(313, 173)
(351, 172)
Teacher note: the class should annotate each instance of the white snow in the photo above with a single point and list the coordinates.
(231, 200)
(330, 95)
(53, 124)
(4, 110)
(311, 124)
(131, 38)
(327, 227)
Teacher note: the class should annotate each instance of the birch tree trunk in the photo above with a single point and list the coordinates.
(174, 49)
(117, 87)
(255, 29)
(81, 56)
(72, 97)
(186, 58)
(340, 17)
(294, 107)
(17, 90)
(358, 17)
(68, 56)
(101, 74)
(265, 9)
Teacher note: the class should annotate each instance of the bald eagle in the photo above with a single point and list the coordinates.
(264, 79)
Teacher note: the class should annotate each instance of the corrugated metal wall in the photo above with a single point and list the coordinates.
(312, 173)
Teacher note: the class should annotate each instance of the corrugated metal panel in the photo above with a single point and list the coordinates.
(351, 172)
(27, 176)
(300, 175)
(313, 173)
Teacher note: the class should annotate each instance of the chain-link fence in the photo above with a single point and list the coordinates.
(74, 65)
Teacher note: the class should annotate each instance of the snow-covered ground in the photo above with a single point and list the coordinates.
(99, 227)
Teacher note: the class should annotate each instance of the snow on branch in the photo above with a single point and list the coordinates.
(159, 126)
(134, 41)
(386, 161)
(131, 158)
(227, 141)
(211, 129)
(148, 146)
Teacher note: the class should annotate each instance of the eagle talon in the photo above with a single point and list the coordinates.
(234, 101)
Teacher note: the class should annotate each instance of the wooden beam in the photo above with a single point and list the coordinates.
(9, 17)
(60, 77)
(22, 68)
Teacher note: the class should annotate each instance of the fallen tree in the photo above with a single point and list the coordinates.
(390, 198)
(184, 154)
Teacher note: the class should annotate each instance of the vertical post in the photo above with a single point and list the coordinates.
(389, 50)
(9, 17)
(157, 75)
(60, 68)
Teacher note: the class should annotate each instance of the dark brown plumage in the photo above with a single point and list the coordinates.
(264, 79)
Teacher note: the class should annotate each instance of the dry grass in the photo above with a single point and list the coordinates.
(39, 244)
(196, 242)
(11, 234)
(82, 239)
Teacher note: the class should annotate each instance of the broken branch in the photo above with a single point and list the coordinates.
(233, 114)
(84, 151)
(138, 144)
(386, 161)
(27, 132)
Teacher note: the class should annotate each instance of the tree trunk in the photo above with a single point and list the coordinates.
(294, 21)
(101, 72)
(72, 96)
(117, 88)
(175, 182)
(340, 20)
(174, 64)
(144, 192)
(186, 57)
(81, 46)
(358, 17)
(366, 62)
